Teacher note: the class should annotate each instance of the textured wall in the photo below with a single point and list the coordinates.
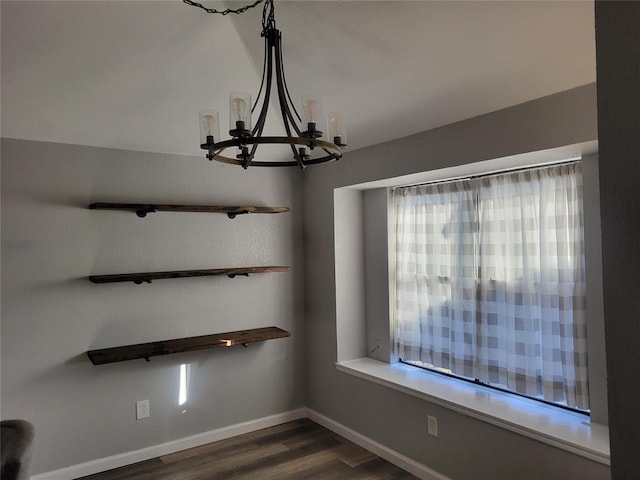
(466, 448)
(51, 314)
(618, 58)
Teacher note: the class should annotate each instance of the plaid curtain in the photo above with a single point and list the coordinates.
(490, 281)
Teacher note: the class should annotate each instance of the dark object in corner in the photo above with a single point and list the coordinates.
(15, 449)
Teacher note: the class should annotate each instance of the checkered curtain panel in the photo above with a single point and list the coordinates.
(490, 281)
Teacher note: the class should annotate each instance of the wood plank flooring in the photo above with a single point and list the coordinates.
(296, 450)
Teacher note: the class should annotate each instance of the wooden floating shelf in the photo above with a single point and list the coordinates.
(166, 347)
(147, 277)
(142, 209)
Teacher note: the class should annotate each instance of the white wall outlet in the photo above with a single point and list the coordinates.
(432, 426)
(142, 409)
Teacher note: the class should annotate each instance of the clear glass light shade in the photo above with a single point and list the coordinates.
(209, 127)
(311, 112)
(337, 131)
(239, 110)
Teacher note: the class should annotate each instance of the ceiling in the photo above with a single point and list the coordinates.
(134, 74)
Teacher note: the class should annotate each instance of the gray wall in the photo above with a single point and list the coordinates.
(465, 448)
(618, 58)
(51, 314)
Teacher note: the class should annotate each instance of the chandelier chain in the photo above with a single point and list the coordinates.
(268, 12)
(224, 12)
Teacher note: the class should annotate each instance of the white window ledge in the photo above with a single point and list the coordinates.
(554, 426)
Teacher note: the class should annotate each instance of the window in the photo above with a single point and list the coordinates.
(490, 281)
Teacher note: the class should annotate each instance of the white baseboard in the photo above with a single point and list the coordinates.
(120, 460)
(128, 458)
(406, 463)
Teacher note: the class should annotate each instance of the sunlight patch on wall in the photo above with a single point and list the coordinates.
(183, 387)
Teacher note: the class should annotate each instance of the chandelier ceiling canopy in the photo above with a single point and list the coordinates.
(305, 134)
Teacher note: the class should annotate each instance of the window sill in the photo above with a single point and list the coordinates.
(562, 429)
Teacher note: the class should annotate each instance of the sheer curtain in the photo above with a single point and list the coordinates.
(490, 281)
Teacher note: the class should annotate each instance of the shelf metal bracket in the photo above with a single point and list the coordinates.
(233, 215)
(142, 212)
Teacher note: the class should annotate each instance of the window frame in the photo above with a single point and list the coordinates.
(362, 280)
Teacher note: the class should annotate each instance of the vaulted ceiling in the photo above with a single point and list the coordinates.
(134, 74)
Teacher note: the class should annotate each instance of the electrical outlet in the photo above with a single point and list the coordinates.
(142, 409)
(432, 426)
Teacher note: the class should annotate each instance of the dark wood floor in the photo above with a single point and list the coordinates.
(296, 450)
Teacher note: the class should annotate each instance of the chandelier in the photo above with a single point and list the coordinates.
(304, 134)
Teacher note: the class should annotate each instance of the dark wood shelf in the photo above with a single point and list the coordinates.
(166, 347)
(142, 209)
(147, 277)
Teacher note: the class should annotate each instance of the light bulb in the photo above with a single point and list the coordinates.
(335, 125)
(209, 127)
(337, 131)
(310, 110)
(311, 113)
(209, 123)
(239, 111)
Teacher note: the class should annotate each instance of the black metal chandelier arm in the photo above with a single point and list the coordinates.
(287, 118)
(224, 12)
(284, 81)
(259, 126)
(283, 99)
(264, 70)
